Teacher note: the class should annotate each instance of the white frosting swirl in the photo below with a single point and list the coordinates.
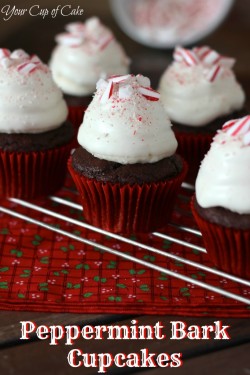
(30, 100)
(83, 55)
(224, 176)
(126, 123)
(191, 98)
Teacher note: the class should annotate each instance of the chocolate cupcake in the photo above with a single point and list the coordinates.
(221, 205)
(126, 170)
(35, 138)
(200, 93)
(83, 54)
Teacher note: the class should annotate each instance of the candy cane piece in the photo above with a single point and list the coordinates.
(105, 42)
(70, 40)
(108, 92)
(75, 27)
(101, 84)
(118, 79)
(242, 126)
(19, 54)
(26, 68)
(149, 93)
(227, 62)
(214, 73)
(228, 124)
(6, 62)
(35, 59)
(189, 57)
(4, 52)
(210, 57)
(201, 51)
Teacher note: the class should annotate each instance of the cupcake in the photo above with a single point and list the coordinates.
(84, 53)
(221, 205)
(200, 93)
(35, 138)
(126, 169)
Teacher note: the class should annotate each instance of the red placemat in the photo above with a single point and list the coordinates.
(41, 270)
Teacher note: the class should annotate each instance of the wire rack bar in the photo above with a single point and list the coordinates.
(126, 240)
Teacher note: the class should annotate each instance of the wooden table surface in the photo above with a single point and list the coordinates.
(200, 356)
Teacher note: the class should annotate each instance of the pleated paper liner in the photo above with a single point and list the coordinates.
(29, 175)
(228, 248)
(193, 147)
(127, 208)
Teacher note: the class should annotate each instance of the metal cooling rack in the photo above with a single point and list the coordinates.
(35, 208)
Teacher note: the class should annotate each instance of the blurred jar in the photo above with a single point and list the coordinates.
(167, 23)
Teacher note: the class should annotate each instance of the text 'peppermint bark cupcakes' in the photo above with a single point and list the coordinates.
(126, 170)
(221, 205)
(200, 93)
(35, 138)
(84, 53)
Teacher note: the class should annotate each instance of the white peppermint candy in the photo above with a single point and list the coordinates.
(6, 62)
(101, 84)
(143, 81)
(19, 54)
(125, 92)
(70, 40)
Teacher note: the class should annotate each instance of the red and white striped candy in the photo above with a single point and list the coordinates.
(201, 51)
(104, 41)
(19, 54)
(118, 79)
(4, 52)
(185, 55)
(26, 68)
(210, 57)
(108, 92)
(75, 27)
(214, 73)
(70, 40)
(228, 124)
(35, 59)
(237, 127)
(149, 93)
(246, 139)
(227, 62)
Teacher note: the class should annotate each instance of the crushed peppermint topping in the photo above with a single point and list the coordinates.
(124, 85)
(24, 63)
(91, 32)
(205, 56)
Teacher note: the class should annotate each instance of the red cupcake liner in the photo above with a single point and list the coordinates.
(228, 248)
(33, 174)
(193, 147)
(127, 208)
